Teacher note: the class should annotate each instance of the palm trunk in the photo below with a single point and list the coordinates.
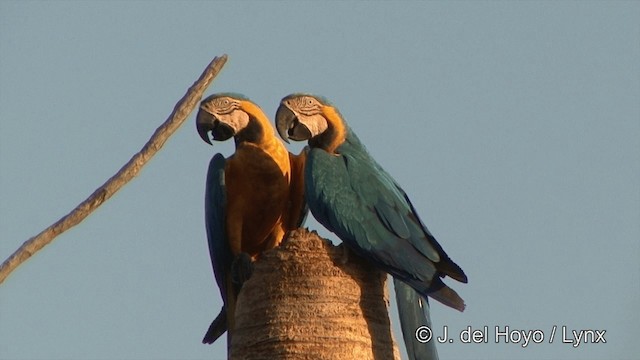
(308, 299)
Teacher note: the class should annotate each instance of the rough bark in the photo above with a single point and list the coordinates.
(308, 299)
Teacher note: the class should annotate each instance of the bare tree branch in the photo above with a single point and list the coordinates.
(180, 113)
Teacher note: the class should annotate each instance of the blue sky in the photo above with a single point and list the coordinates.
(513, 126)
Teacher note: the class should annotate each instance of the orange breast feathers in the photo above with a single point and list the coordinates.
(259, 199)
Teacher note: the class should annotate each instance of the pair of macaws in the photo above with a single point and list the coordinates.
(260, 193)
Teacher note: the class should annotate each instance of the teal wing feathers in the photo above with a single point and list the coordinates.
(355, 198)
(219, 251)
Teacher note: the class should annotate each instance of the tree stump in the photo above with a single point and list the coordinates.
(308, 299)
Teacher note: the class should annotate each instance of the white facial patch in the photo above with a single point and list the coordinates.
(237, 119)
(316, 124)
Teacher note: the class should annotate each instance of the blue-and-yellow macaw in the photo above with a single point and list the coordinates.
(253, 198)
(350, 194)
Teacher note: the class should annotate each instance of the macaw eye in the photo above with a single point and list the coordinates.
(309, 102)
(225, 101)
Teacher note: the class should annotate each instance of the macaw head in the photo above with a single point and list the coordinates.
(308, 117)
(227, 115)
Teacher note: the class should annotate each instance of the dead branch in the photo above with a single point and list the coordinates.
(180, 113)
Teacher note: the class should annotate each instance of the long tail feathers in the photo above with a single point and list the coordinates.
(414, 313)
(241, 270)
(448, 297)
(217, 328)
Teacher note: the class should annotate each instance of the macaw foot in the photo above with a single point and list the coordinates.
(241, 269)
(343, 259)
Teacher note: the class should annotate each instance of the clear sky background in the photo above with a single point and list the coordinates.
(513, 126)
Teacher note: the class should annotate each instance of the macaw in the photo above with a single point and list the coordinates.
(350, 194)
(253, 198)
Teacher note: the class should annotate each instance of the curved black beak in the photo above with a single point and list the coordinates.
(284, 120)
(207, 122)
(289, 127)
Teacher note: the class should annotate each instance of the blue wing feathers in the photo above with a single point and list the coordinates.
(392, 220)
(215, 202)
(355, 198)
(219, 251)
(447, 266)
